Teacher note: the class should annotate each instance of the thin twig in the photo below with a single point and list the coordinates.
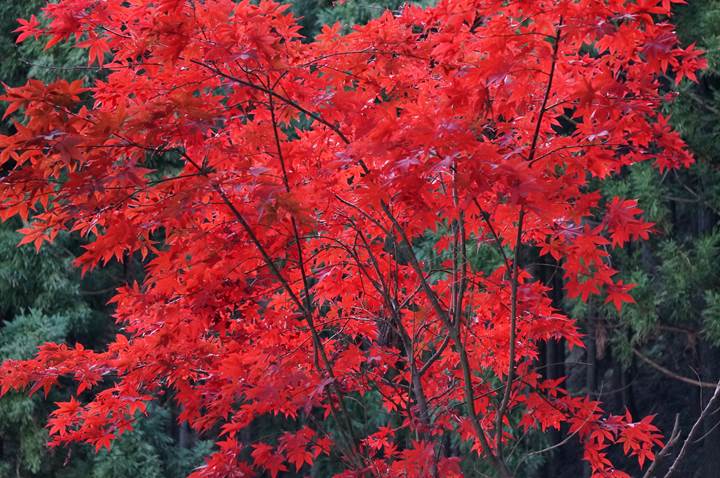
(694, 431)
(674, 437)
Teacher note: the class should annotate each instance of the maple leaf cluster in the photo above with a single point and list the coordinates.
(282, 269)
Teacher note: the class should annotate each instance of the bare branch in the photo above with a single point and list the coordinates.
(674, 437)
(672, 374)
(711, 404)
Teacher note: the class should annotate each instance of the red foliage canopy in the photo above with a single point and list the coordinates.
(284, 273)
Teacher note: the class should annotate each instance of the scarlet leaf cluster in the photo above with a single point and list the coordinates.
(283, 273)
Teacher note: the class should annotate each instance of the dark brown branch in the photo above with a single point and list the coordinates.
(317, 341)
(469, 395)
(548, 90)
(498, 241)
(275, 95)
(670, 373)
(513, 336)
(514, 284)
(674, 437)
(251, 234)
(408, 343)
(433, 358)
(711, 405)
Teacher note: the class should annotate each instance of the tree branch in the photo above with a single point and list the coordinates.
(513, 336)
(672, 374)
(674, 436)
(276, 95)
(694, 431)
(317, 341)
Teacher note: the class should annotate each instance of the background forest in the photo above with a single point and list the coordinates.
(659, 356)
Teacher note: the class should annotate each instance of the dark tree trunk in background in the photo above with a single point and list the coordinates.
(590, 355)
(626, 388)
(565, 461)
(186, 438)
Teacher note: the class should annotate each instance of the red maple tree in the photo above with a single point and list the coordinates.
(283, 265)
